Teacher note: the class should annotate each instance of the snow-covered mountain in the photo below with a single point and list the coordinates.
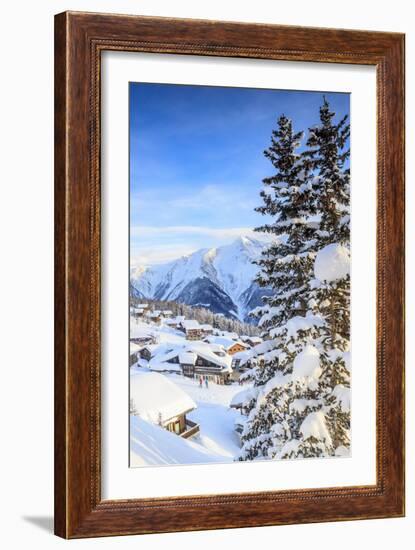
(220, 279)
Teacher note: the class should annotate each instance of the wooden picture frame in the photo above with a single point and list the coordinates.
(79, 40)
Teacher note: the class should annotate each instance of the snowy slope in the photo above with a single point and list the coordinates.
(215, 418)
(217, 440)
(220, 279)
(152, 445)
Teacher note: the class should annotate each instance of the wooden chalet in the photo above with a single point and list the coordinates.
(134, 353)
(172, 323)
(192, 329)
(166, 313)
(146, 352)
(160, 401)
(143, 340)
(236, 347)
(230, 346)
(187, 360)
(138, 310)
(154, 316)
(207, 330)
(201, 362)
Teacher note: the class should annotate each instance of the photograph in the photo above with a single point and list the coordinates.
(229, 274)
(207, 225)
(239, 293)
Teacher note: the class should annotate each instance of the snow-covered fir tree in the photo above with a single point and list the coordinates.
(328, 153)
(332, 292)
(300, 403)
(288, 197)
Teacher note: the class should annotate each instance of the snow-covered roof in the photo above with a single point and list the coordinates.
(163, 350)
(136, 309)
(156, 398)
(204, 350)
(134, 348)
(164, 366)
(218, 349)
(187, 358)
(140, 330)
(227, 343)
(220, 340)
(154, 314)
(190, 324)
(171, 321)
(151, 347)
(242, 356)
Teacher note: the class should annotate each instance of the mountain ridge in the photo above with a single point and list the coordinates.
(219, 278)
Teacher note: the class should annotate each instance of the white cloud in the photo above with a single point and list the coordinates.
(158, 255)
(155, 245)
(219, 233)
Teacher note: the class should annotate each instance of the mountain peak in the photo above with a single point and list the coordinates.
(225, 273)
(243, 239)
(249, 244)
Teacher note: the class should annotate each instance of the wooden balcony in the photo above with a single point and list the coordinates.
(191, 429)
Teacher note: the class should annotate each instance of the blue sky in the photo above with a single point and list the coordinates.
(196, 162)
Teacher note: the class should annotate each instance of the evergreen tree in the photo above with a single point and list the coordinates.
(288, 197)
(301, 378)
(328, 153)
(288, 390)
